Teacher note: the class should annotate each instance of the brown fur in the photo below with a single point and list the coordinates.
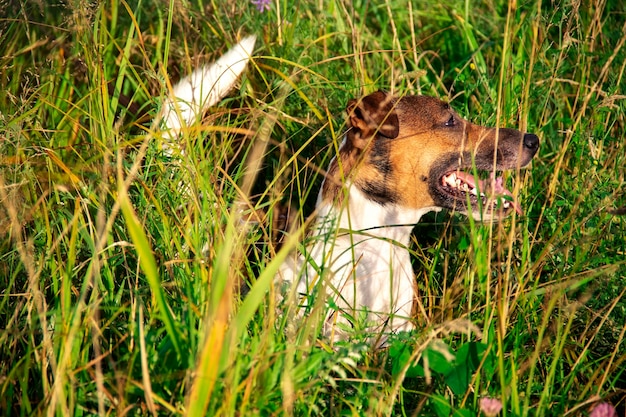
(404, 146)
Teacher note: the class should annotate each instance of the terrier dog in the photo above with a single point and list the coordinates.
(400, 158)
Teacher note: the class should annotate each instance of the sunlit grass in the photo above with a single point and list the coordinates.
(136, 283)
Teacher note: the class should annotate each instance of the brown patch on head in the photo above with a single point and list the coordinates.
(373, 115)
(369, 119)
(397, 151)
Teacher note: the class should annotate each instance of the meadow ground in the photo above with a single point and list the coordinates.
(123, 293)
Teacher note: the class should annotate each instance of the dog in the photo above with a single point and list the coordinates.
(400, 159)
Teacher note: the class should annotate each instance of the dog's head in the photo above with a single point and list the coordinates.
(416, 153)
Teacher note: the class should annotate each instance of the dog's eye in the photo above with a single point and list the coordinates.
(450, 122)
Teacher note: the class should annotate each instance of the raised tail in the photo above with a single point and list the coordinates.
(203, 88)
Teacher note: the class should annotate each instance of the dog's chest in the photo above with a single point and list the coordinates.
(363, 267)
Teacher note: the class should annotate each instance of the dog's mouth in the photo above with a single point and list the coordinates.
(485, 195)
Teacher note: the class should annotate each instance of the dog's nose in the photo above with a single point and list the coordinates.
(531, 141)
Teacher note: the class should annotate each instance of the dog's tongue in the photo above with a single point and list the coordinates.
(494, 186)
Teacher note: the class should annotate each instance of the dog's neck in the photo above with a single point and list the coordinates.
(345, 204)
(358, 213)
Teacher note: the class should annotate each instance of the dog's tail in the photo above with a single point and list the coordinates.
(203, 88)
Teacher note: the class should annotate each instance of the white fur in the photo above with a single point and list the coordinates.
(203, 88)
(194, 94)
(367, 268)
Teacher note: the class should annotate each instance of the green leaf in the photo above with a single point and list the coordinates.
(441, 405)
(467, 361)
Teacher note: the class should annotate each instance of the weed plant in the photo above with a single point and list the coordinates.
(132, 283)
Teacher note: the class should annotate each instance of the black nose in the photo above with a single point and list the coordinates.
(531, 141)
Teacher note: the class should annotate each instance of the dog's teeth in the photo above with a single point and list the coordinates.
(464, 187)
(506, 204)
(449, 180)
(474, 191)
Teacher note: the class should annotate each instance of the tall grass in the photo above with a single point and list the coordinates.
(133, 283)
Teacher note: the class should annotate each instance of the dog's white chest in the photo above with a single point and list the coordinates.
(363, 268)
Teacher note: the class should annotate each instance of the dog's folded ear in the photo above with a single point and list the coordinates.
(371, 115)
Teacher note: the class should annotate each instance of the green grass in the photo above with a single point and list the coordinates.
(120, 289)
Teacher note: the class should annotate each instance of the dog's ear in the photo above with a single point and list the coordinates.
(373, 114)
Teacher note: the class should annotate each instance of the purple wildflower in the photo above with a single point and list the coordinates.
(603, 410)
(490, 406)
(262, 5)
